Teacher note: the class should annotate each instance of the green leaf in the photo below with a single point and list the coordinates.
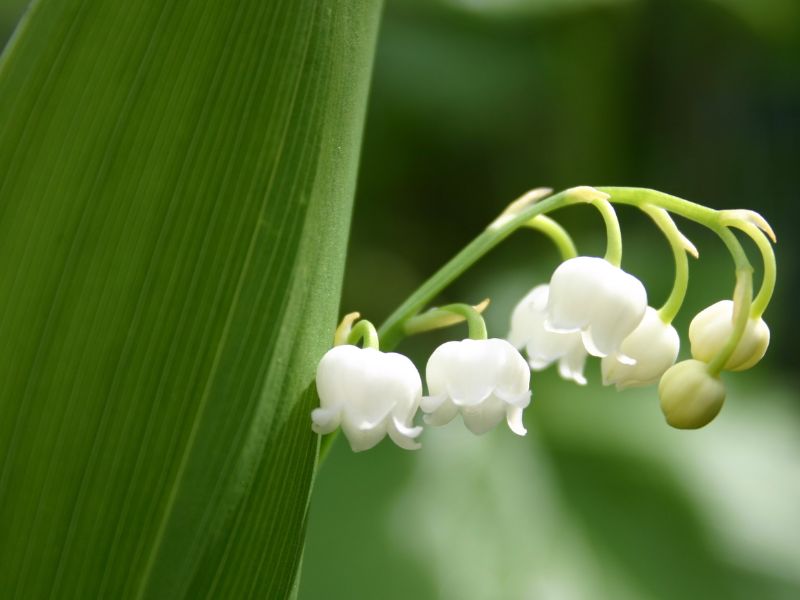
(176, 183)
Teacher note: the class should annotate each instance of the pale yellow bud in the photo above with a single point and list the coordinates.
(690, 396)
(710, 330)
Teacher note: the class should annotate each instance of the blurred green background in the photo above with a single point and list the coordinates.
(473, 103)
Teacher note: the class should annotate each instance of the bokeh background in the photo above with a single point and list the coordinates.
(473, 103)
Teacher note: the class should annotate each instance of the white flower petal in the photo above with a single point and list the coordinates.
(571, 365)
(365, 390)
(528, 316)
(485, 416)
(335, 374)
(467, 368)
(603, 301)
(432, 403)
(406, 430)
(591, 347)
(522, 400)
(619, 310)
(573, 292)
(404, 435)
(653, 344)
(514, 420)
(543, 346)
(363, 439)
(513, 375)
(325, 420)
(446, 412)
(624, 359)
(479, 378)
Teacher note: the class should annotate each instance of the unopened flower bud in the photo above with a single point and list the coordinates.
(690, 396)
(711, 329)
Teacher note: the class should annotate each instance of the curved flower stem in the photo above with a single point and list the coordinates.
(713, 219)
(518, 213)
(613, 233)
(761, 301)
(445, 316)
(529, 206)
(641, 196)
(742, 299)
(475, 322)
(392, 330)
(678, 244)
(555, 232)
(364, 330)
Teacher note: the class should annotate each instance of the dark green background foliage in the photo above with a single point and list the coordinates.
(472, 103)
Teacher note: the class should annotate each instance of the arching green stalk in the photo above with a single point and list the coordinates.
(556, 233)
(446, 316)
(678, 244)
(761, 301)
(641, 196)
(742, 299)
(475, 322)
(613, 233)
(364, 330)
(518, 213)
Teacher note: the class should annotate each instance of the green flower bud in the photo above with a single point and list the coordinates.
(690, 396)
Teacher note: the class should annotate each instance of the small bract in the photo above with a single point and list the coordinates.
(710, 330)
(690, 396)
(542, 346)
(484, 380)
(654, 345)
(601, 301)
(369, 393)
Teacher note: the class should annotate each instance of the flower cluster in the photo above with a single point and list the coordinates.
(372, 393)
(593, 307)
(590, 307)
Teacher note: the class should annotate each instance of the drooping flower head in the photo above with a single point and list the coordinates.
(710, 330)
(653, 345)
(484, 380)
(369, 393)
(601, 301)
(544, 347)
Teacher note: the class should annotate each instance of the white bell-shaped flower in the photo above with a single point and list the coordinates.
(690, 396)
(603, 302)
(544, 347)
(484, 380)
(653, 345)
(711, 329)
(369, 393)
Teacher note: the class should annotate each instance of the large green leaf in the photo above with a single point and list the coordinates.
(176, 181)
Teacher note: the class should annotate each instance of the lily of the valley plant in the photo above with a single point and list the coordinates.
(590, 307)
